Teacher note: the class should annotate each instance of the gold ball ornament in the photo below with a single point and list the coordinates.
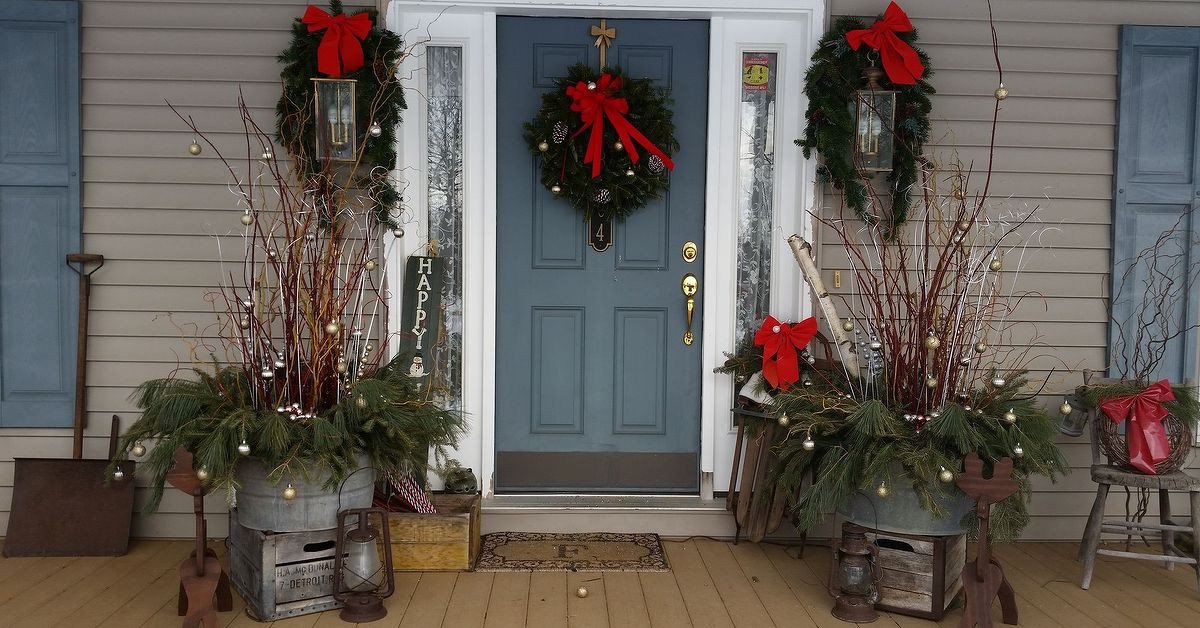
(138, 450)
(289, 493)
(332, 327)
(618, 146)
(543, 146)
(370, 265)
(247, 219)
(244, 323)
(1065, 408)
(848, 325)
(980, 347)
(244, 448)
(581, 592)
(361, 402)
(1010, 417)
(931, 382)
(784, 421)
(342, 367)
(946, 475)
(1001, 92)
(202, 473)
(194, 148)
(882, 490)
(932, 342)
(996, 265)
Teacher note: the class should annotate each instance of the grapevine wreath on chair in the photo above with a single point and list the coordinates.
(604, 140)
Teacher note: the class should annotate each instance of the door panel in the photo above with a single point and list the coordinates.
(595, 388)
(39, 211)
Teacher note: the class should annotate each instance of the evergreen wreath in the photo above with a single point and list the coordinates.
(835, 73)
(380, 99)
(560, 137)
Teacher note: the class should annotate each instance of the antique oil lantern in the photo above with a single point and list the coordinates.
(362, 566)
(852, 577)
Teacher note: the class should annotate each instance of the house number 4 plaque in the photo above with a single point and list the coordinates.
(600, 232)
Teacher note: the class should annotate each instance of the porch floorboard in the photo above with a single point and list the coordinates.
(712, 583)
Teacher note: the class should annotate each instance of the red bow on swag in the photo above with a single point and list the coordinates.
(340, 50)
(781, 366)
(900, 61)
(594, 105)
(1145, 437)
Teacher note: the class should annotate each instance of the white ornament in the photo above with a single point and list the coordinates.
(267, 373)
(618, 146)
(417, 368)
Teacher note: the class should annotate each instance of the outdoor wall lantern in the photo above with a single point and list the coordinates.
(362, 565)
(335, 126)
(874, 110)
(853, 573)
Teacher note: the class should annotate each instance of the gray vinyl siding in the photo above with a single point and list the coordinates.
(1055, 145)
(151, 208)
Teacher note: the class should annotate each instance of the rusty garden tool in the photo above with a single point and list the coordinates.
(85, 295)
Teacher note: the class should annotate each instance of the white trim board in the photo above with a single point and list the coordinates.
(790, 28)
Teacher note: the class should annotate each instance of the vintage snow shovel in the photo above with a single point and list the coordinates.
(68, 507)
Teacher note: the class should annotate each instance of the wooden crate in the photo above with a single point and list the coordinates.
(445, 541)
(284, 574)
(921, 575)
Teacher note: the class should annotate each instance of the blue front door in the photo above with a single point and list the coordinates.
(595, 389)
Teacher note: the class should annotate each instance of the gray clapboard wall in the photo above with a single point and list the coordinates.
(1056, 141)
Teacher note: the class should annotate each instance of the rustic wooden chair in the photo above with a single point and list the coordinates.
(1105, 476)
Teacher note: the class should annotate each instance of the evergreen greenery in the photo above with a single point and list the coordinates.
(835, 73)
(380, 99)
(562, 164)
(386, 416)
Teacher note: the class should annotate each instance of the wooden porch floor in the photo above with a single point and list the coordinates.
(712, 584)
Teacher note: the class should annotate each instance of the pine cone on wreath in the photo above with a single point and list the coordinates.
(602, 195)
(559, 133)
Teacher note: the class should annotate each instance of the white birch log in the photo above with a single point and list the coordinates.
(802, 251)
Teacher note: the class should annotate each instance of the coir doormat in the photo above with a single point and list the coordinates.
(601, 551)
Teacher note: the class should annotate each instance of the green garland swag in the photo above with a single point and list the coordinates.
(835, 73)
(622, 186)
(380, 99)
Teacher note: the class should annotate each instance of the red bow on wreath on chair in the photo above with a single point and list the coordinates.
(780, 341)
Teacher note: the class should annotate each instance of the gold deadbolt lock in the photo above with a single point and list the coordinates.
(690, 251)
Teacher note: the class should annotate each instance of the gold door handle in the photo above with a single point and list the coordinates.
(690, 286)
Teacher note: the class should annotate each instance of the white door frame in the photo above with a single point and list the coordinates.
(790, 28)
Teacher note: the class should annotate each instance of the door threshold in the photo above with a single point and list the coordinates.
(666, 515)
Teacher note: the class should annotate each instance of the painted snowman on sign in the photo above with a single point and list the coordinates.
(422, 309)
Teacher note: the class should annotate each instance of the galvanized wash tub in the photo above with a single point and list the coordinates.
(901, 511)
(261, 505)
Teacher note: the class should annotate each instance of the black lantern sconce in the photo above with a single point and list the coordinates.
(853, 576)
(362, 565)
(336, 131)
(874, 110)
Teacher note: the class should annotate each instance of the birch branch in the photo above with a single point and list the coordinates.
(802, 251)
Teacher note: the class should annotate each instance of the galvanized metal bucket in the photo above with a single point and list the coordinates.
(901, 511)
(261, 505)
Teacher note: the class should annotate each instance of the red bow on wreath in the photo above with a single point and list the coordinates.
(340, 50)
(900, 61)
(598, 103)
(1148, 444)
(781, 366)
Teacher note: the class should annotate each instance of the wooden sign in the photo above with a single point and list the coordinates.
(421, 300)
(600, 232)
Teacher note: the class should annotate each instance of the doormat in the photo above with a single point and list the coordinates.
(600, 551)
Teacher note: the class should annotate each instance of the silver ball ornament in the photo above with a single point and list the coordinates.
(244, 448)
(618, 146)
(375, 130)
(194, 148)
(289, 493)
(267, 373)
(964, 225)
(398, 232)
(138, 450)
(591, 85)
(267, 154)
(876, 345)
(808, 444)
(1010, 417)
(1018, 451)
(202, 473)
(998, 382)
(118, 474)
(244, 323)
(882, 490)
(556, 189)
(783, 420)
(629, 173)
